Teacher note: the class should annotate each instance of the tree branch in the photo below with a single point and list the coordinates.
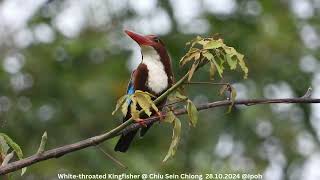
(93, 141)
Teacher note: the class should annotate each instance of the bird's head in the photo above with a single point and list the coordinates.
(153, 50)
(151, 47)
(148, 40)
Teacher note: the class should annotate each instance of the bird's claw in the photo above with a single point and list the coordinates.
(160, 115)
(141, 122)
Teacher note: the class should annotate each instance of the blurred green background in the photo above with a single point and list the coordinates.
(65, 63)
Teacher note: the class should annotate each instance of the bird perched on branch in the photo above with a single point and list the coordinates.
(153, 75)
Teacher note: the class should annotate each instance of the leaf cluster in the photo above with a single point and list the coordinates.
(136, 101)
(214, 52)
(171, 118)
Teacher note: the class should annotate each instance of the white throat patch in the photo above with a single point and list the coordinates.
(157, 77)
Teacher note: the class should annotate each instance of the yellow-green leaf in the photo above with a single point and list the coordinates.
(203, 42)
(192, 113)
(144, 93)
(189, 56)
(213, 67)
(243, 65)
(133, 108)
(229, 50)
(169, 117)
(13, 145)
(240, 57)
(219, 68)
(23, 170)
(212, 70)
(208, 55)
(176, 96)
(145, 101)
(120, 101)
(213, 44)
(175, 139)
(124, 108)
(232, 62)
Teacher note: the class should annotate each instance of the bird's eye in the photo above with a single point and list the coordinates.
(156, 39)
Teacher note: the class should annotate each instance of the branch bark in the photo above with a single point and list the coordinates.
(124, 128)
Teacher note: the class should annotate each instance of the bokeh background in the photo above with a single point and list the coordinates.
(65, 63)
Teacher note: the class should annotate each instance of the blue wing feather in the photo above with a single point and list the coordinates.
(130, 89)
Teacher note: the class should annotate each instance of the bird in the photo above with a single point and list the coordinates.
(153, 75)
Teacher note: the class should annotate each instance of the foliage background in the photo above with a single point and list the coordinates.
(64, 64)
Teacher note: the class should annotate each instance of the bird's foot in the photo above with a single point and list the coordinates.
(141, 122)
(160, 115)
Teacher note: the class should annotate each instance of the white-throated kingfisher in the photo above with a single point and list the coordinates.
(153, 75)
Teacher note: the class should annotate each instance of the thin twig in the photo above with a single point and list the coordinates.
(210, 83)
(93, 141)
(176, 102)
(114, 159)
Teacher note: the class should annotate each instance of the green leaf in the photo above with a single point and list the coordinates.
(214, 44)
(208, 55)
(195, 41)
(219, 68)
(170, 117)
(133, 108)
(212, 70)
(23, 170)
(13, 145)
(232, 62)
(240, 57)
(145, 101)
(213, 67)
(192, 113)
(124, 107)
(175, 140)
(138, 92)
(176, 96)
(229, 50)
(203, 42)
(243, 65)
(120, 101)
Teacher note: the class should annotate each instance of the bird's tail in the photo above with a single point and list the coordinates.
(125, 141)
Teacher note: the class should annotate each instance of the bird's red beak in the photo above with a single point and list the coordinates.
(141, 40)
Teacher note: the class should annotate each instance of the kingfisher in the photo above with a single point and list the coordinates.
(153, 75)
